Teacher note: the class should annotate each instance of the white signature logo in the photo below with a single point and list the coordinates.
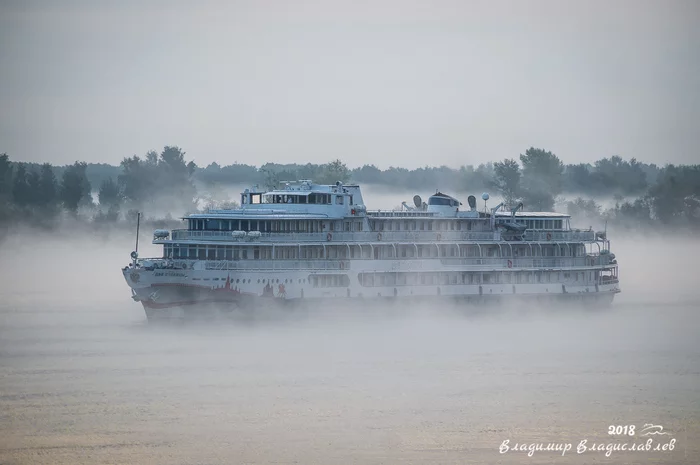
(650, 429)
(629, 432)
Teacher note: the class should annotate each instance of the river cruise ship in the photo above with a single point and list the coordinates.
(307, 243)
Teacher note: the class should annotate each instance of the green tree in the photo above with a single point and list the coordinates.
(671, 198)
(577, 178)
(582, 208)
(507, 179)
(75, 187)
(333, 172)
(617, 175)
(542, 178)
(5, 190)
(5, 176)
(34, 188)
(109, 194)
(47, 186)
(20, 186)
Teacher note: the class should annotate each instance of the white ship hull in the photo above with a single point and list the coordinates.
(173, 293)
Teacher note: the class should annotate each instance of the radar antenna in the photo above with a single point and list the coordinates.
(485, 197)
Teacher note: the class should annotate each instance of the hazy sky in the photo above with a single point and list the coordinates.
(386, 82)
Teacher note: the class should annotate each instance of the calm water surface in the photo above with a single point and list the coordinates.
(83, 378)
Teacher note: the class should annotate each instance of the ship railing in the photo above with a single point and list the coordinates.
(165, 263)
(597, 258)
(278, 265)
(340, 264)
(381, 236)
(340, 236)
(182, 264)
(528, 262)
(554, 236)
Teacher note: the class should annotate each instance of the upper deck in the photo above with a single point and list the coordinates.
(296, 199)
(306, 212)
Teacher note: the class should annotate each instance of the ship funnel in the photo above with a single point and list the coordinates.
(471, 200)
(417, 201)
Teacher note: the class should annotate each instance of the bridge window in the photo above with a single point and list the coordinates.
(439, 201)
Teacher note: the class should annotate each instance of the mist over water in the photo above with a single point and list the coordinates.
(84, 379)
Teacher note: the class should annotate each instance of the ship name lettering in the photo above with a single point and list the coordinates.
(169, 273)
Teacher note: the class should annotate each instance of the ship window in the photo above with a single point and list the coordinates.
(438, 201)
(338, 199)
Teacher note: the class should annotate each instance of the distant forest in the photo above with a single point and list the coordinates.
(164, 184)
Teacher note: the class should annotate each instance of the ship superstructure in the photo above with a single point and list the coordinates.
(311, 243)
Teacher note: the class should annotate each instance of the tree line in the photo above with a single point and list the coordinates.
(165, 182)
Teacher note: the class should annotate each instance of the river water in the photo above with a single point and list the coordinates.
(84, 379)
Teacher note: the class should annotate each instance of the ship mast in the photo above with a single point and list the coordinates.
(135, 253)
